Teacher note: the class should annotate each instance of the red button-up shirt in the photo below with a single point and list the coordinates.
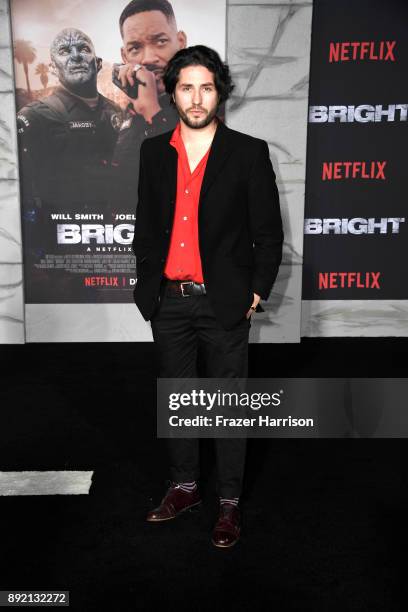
(183, 260)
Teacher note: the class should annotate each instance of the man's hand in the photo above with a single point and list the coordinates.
(147, 102)
(257, 299)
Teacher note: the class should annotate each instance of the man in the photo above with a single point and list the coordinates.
(150, 39)
(66, 143)
(208, 245)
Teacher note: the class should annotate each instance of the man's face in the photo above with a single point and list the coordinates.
(73, 59)
(196, 97)
(151, 40)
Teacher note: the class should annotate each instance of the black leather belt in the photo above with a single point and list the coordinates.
(177, 288)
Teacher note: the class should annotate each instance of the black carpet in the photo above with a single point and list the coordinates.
(324, 521)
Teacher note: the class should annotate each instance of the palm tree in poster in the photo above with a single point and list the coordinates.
(43, 70)
(25, 54)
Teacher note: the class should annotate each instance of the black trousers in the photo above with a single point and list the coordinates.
(181, 327)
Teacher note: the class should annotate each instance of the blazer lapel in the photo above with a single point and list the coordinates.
(220, 150)
(170, 159)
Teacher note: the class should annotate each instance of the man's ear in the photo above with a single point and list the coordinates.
(98, 64)
(123, 56)
(182, 39)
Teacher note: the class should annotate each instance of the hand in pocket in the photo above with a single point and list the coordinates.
(254, 305)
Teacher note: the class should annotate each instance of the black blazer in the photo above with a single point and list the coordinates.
(239, 222)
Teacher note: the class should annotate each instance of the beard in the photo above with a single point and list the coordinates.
(196, 124)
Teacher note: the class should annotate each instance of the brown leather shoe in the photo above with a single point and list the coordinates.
(227, 529)
(174, 503)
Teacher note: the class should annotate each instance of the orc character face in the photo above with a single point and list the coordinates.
(74, 62)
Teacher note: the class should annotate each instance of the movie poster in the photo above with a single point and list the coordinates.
(80, 125)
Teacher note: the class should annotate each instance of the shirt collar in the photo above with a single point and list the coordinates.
(176, 136)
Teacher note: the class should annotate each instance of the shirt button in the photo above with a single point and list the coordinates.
(187, 191)
(184, 218)
(181, 244)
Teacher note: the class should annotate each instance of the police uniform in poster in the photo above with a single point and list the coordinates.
(66, 151)
(66, 148)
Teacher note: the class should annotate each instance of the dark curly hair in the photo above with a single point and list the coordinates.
(199, 55)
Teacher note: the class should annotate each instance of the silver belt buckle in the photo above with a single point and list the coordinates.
(182, 288)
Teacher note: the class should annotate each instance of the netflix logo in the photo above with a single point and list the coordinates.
(340, 170)
(101, 281)
(382, 51)
(348, 280)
